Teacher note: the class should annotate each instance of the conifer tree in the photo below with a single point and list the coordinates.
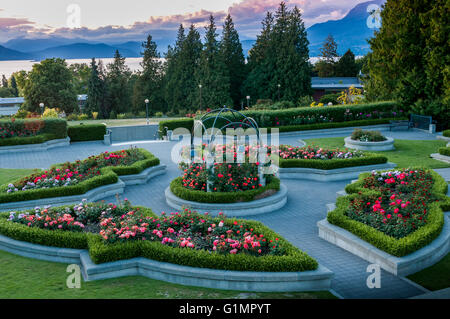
(346, 66)
(95, 90)
(117, 78)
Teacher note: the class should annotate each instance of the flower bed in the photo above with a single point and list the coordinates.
(398, 211)
(326, 159)
(119, 232)
(367, 136)
(78, 177)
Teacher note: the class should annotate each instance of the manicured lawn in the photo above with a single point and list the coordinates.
(8, 175)
(407, 153)
(435, 277)
(124, 122)
(28, 278)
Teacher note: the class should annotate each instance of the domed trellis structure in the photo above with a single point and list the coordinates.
(216, 123)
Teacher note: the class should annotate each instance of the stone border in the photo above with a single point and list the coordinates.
(91, 195)
(313, 280)
(445, 138)
(399, 266)
(241, 209)
(36, 147)
(440, 157)
(387, 145)
(331, 175)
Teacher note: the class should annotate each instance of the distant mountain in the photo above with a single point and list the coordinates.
(82, 51)
(8, 54)
(350, 32)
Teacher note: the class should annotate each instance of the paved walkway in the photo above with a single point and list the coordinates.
(296, 221)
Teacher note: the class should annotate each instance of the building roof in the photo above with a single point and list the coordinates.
(11, 100)
(335, 83)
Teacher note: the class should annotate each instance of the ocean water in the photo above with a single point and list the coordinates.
(9, 67)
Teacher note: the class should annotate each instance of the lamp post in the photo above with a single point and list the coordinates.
(146, 108)
(279, 86)
(200, 87)
(248, 100)
(41, 105)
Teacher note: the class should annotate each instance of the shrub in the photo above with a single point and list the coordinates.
(86, 132)
(159, 114)
(72, 117)
(187, 123)
(406, 244)
(446, 133)
(83, 117)
(444, 151)
(327, 98)
(112, 115)
(94, 115)
(50, 113)
(367, 136)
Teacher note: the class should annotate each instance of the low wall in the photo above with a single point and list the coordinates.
(35, 147)
(241, 209)
(387, 145)
(131, 133)
(440, 157)
(331, 175)
(319, 279)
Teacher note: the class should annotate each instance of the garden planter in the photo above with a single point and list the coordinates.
(36, 147)
(241, 209)
(440, 157)
(387, 145)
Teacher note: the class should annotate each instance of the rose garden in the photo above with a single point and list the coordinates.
(293, 209)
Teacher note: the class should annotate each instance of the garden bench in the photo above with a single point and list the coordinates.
(400, 123)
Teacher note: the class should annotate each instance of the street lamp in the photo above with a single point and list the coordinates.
(41, 105)
(146, 108)
(279, 85)
(200, 87)
(248, 100)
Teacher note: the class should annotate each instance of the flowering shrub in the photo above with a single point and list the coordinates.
(315, 152)
(31, 128)
(403, 205)
(189, 230)
(367, 136)
(72, 173)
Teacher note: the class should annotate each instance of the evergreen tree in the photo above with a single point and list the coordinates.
(117, 79)
(212, 73)
(4, 81)
(410, 57)
(95, 91)
(326, 67)
(346, 66)
(149, 82)
(233, 56)
(14, 89)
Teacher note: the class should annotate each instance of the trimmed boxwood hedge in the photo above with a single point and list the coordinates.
(446, 133)
(444, 151)
(108, 175)
(368, 159)
(52, 129)
(397, 247)
(86, 132)
(101, 252)
(176, 186)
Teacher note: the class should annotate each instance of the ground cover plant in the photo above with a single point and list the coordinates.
(367, 136)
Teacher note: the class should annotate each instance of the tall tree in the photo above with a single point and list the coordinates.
(346, 66)
(149, 82)
(212, 73)
(233, 56)
(14, 88)
(81, 73)
(410, 57)
(50, 82)
(95, 91)
(4, 81)
(117, 79)
(326, 67)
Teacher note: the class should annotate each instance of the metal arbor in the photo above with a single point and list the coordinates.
(216, 123)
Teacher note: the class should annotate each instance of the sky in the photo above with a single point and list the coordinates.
(106, 19)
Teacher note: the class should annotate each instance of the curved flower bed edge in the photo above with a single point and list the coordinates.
(396, 247)
(295, 260)
(176, 186)
(108, 175)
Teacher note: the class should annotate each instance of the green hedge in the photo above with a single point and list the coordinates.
(101, 252)
(397, 247)
(368, 159)
(176, 186)
(51, 129)
(446, 133)
(444, 151)
(108, 175)
(187, 123)
(86, 132)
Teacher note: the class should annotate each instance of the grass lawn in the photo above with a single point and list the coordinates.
(124, 122)
(8, 175)
(25, 278)
(435, 277)
(407, 152)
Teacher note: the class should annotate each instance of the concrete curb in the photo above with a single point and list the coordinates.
(91, 195)
(338, 174)
(399, 266)
(36, 147)
(341, 130)
(438, 294)
(440, 157)
(242, 209)
(319, 279)
(387, 145)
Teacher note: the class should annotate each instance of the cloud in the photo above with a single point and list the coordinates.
(12, 22)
